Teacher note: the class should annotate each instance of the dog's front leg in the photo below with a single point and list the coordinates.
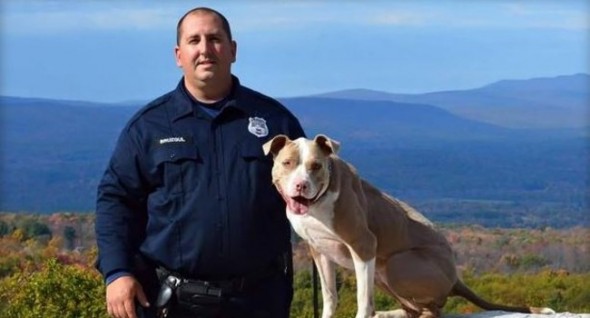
(327, 273)
(365, 285)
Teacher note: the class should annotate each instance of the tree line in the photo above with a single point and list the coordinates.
(46, 269)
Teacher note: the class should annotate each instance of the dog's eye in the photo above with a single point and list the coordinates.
(315, 166)
(286, 163)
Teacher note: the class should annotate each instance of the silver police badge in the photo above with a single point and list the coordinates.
(257, 127)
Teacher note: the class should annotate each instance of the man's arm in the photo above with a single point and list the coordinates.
(120, 209)
(120, 221)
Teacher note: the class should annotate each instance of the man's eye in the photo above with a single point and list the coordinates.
(193, 40)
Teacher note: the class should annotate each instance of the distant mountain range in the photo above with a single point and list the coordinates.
(460, 156)
(557, 102)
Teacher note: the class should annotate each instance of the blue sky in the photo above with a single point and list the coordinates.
(111, 51)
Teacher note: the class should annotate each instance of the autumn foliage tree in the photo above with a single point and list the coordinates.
(56, 290)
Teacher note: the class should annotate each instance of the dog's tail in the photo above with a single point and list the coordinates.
(460, 289)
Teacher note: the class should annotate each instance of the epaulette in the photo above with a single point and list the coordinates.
(151, 105)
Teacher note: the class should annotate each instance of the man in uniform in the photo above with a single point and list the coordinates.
(188, 191)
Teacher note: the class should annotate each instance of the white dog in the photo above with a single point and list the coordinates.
(348, 222)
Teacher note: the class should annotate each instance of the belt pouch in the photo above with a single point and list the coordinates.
(199, 297)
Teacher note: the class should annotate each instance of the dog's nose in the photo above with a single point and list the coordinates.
(301, 186)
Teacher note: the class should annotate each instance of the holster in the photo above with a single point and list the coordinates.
(166, 296)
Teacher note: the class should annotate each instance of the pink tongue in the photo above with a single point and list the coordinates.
(296, 207)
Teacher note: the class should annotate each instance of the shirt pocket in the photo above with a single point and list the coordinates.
(253, 156)
(174, 164)
(256, 167)
(252, 151)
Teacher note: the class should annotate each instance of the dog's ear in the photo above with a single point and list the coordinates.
(330, 146)
(275, 145)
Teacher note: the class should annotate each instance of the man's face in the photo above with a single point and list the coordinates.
(205, 52)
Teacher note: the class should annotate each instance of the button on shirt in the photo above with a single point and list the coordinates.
(192, 190)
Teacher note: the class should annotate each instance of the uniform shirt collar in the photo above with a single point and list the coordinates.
(184, 104)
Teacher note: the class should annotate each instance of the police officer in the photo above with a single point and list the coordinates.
(188, 192)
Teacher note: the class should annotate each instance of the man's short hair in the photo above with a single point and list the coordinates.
(224, 22)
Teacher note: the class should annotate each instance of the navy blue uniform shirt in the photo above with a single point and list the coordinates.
(193, 192)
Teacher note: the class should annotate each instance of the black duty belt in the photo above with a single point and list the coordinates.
(208, 294)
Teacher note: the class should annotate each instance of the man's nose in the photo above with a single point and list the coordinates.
(204, 46)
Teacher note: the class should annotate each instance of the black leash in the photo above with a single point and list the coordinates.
(314, 287)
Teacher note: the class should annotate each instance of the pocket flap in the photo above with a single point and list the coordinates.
(175, 154)
(251, 151)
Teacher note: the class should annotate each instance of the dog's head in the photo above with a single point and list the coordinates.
(301, 170)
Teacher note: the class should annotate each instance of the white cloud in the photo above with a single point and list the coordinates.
(59, 18)
(448, 13)
(400, 18)
(550, 15)
(135, 19)
(62, 16)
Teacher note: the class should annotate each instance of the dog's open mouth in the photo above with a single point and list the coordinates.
(299, 204)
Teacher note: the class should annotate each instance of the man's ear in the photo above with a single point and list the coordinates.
(330, 146)
(275, 145)
(234, 50)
